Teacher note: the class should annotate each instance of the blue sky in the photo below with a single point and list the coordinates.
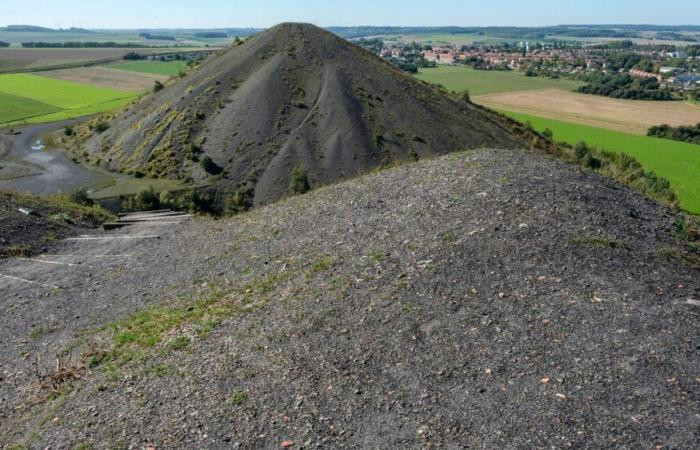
(263, 13)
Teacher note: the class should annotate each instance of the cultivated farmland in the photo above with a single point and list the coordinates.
(34, 59)
(481, 82)
(170, 68)
(51, 99)
(631, 116)
(105, 76)
(679, 162)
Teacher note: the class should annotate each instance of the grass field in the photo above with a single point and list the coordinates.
(171, 68)
(36, 99)
(481, 82)
(629, 116)
(678, 162)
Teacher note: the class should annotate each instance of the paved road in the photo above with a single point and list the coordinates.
(55, 172)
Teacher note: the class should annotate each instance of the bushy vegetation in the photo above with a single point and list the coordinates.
(4, 44)
(101, 126)
(240, 201)
(621, 167)
(625, 86)
(299, 181)
(157, 86)
(210, 166)
(683, 133)
(192, 200)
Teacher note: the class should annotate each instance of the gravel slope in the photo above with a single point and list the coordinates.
(293, 96)
(488, 299)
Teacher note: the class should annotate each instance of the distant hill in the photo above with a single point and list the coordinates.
(27, 29)
(295, 101)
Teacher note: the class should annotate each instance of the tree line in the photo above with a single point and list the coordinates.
(83, 45)
(683, 133)
(625, 86)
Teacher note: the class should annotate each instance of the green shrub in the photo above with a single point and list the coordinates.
(210, 166)
(101, 126)
(592, 162)
(81, 197)
(68, 131)
(241, 200)
(581, 150)
(299, 181)
(158, 86)
(147, 200)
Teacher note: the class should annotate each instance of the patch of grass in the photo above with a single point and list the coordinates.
(16, 251)
(375, 257)
(178, 343)
(169, 68)
(449, 236)
(323, 264)
(678, 162)
(482, 82)
(237, 398)
(39, 332)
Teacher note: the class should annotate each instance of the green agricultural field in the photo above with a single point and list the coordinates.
(13, 108)
(170, 68)
(35, 99)
(679, 162)
(482, 82)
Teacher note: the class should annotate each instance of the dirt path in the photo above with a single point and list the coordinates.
(41, 172)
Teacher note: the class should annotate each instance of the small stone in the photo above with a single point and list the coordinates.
(561, 396)
(544, 380)
(287, 444)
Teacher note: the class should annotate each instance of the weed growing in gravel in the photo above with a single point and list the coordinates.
(238, 398)
(375, 257)
(16, 251)
(178, 343)
(40, 332)
(322, 264)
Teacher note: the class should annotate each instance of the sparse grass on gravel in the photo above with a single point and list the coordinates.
(458, 309)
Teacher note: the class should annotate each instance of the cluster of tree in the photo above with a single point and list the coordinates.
(477, 63)
(211, 35)
(404, 65)
(4, 44)
(626, 87)
(373, 45)
(684, 133)
(82, 45)
(132, 56)
(157, 37)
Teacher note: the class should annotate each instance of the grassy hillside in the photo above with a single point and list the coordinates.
(678, 162)
(171, 68)
(36, 99)
(482, 82)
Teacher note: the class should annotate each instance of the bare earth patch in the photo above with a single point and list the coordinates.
(106, 77)
(631, 116)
